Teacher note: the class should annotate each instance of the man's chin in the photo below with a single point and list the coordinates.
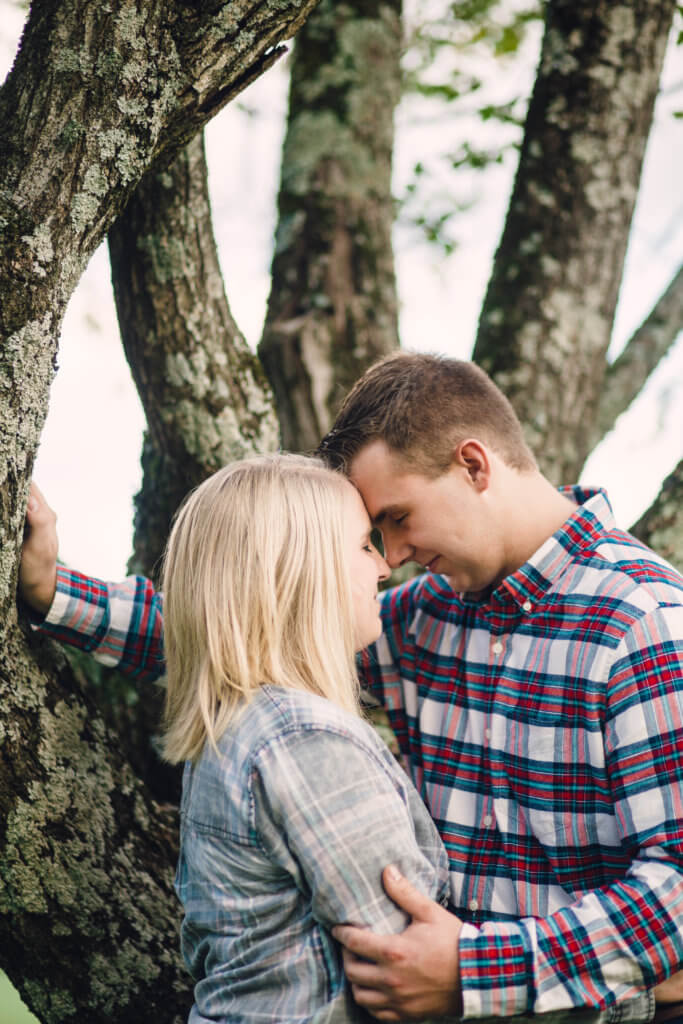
(464, 587)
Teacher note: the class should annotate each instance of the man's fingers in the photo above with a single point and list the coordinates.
(370, 998)
(363, 942)
(38, 512)
(405, 895)
(374, 1002)
(38, 565)
(36, 496)
(360, 972)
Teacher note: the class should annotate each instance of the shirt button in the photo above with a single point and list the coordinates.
(488, 821)
(487, 734)
(527, 606)
(474, 905)
(497, 647)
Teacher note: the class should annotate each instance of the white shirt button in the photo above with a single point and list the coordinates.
(487, 734)
(527, 606)
(488, 821)
(474, 905)
(497, 647)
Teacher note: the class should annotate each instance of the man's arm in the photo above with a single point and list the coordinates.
(416, 974)
(120, 624)
(611, 944)
(411, 976)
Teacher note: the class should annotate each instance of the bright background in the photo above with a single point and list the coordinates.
(88, 463)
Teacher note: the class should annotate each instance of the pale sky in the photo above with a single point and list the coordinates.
(88, 463)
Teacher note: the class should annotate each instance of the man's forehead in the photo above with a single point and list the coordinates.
(378, 462)
(376, 501)
(380, 479)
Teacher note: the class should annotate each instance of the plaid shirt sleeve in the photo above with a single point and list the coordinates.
(120, 624)
(340, 828)
(613, 942)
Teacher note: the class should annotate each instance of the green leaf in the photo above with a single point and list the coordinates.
(444, 92)
(508, 42)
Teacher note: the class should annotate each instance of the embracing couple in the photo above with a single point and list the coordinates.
(533, 676)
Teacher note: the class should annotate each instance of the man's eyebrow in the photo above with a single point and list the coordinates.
(388, 510)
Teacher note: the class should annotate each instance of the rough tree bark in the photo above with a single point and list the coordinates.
(333, 307)
(547, 316)
(88, 922)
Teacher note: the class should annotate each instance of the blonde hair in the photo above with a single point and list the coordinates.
(256, 590)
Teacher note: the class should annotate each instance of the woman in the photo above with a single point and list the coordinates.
(291, 805)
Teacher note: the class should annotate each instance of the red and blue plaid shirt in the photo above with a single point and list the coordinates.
(543, 727)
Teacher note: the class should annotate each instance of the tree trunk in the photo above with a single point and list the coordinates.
(204, 393)
(661, 527)
(88, 918)
(546, 321)
(98, 93)
(333, 307)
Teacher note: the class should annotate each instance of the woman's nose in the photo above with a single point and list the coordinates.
(383, 568)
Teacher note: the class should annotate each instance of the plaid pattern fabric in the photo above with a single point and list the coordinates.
(285, 833)
(543, 728)
(120, 624)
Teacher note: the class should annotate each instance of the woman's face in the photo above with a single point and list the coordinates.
(366, 568)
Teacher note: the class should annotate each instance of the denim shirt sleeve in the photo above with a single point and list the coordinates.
(334, 811)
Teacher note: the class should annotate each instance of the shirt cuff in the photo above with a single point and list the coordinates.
(495, 970)
(57, 611)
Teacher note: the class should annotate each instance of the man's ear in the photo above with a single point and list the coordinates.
(474, 457)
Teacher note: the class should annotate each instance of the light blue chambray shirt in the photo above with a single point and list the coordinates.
(284, 834)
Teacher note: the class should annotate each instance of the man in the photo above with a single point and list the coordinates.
(534, 680)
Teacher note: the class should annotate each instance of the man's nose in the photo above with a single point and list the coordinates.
(397, 552)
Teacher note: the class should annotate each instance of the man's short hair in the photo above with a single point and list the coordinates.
(422, 406)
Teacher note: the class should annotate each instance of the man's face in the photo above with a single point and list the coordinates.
(444, 523)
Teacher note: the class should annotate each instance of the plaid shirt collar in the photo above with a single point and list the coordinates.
(528, 586)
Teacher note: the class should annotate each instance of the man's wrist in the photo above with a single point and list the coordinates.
(41, 595)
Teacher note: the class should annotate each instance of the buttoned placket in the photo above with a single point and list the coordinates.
(498, 648)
